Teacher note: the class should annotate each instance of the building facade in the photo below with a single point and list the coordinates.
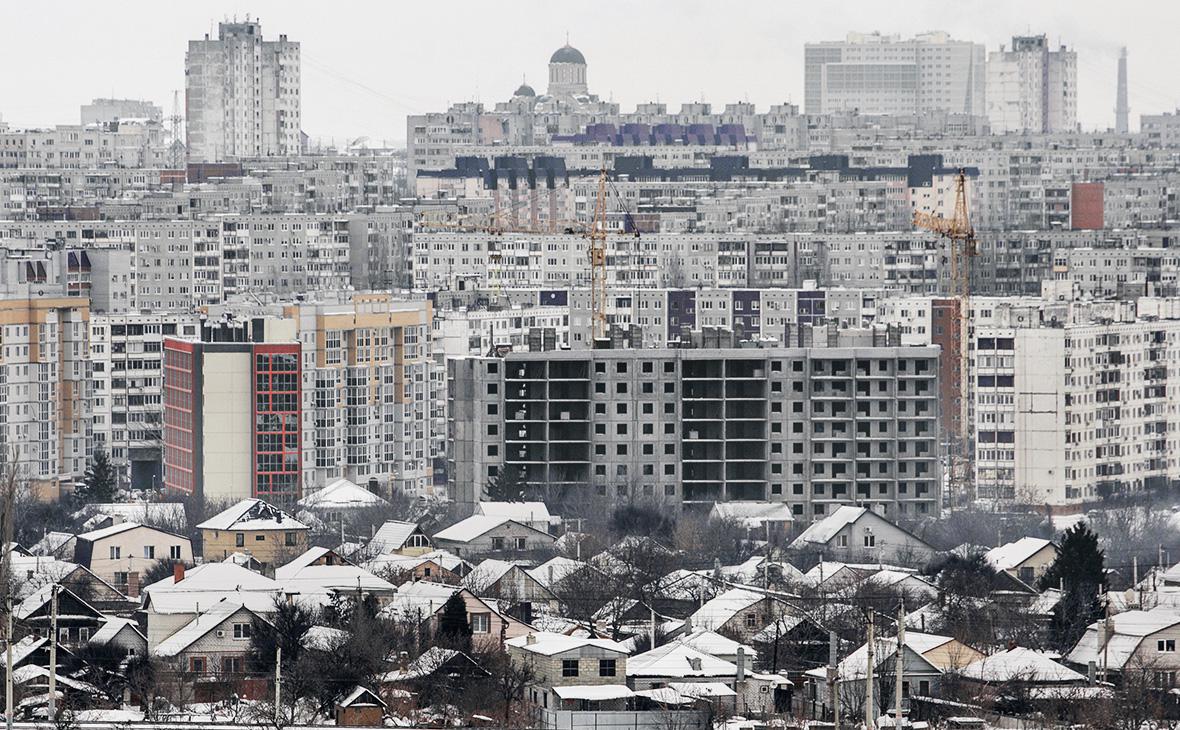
(1032, 89)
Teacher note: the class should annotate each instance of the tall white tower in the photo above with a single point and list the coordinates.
(567, 72)
(1122, 111)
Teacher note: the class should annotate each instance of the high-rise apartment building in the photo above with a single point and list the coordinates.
(1031, 88)
(232, 420)
(813, 427)
(242, 95)
(44, 400)
(872, 73)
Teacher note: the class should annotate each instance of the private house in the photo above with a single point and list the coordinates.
(212, 647)
(569, 669)
(120, 633)
(771, 521)
(340, 501)
(172, 603)
(252, 526)
(1136, 641)
(438, 566)
(1020, 666)
(320, 574)
(77, 620)
(740, 612)
(925, 658)
(534, 514)
(481, 535)
(396, 537)
(857, 534)
(510, 584)
(1026, 559)
(422, 602)
(677, 662)
(121, 553)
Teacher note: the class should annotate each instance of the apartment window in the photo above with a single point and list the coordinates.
(240, 540)
(569, 667)
(241, 631)
(149, 552)
(481, 623)
(116, 552)
(606, 667)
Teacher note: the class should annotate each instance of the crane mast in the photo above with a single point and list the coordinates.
(596, 236)
(961, 239)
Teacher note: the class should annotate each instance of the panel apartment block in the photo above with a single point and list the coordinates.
(812, 427)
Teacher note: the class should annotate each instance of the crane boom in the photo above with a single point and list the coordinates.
(961, 238)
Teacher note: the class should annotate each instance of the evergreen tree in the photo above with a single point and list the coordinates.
(1080, 571)
(99, 483)
(507, 486)
(454, 631)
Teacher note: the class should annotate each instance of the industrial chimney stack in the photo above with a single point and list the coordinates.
(1122, 112)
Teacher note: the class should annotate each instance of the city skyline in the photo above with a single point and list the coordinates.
(359, 83)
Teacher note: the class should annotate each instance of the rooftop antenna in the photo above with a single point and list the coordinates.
(567, 37)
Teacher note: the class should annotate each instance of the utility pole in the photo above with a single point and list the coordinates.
(833, 678)
(897, 680)
(53, 655)
(9, 486)
(279, 685)
(869, 713)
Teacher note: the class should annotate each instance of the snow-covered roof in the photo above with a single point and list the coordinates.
(475, 526)
(1011, 555)
(54, 543)
(171, 513)
(820, 533)
(95, 535)
(548, 644)
(711, 642)
(527, 512)
(664, 696)
(29, 672)
(38, 570)
(856, 664)
(320, 582)
(111, 629)
(213, 577)
(593, 692)
(486, 574)
(685, 585)
(752, 514)
(554, 570)
(303, 560)
(22, 649)
(703, 690)
(442, 558)
(252, 515)
(427, 664)
(1019, 664)
(323, 638)
(358, 692)
(720, 609)
(341, 494)
(210, 619)
(391, 536)
(42, 596)
(678, 660)
(419, 600)
(1127, 631)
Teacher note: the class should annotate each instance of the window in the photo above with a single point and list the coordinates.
(121, 579)
(1165, 645)
(1026, 574)
(231, 664)
(63, 635)
(149, 552)
(241, 631)
(197, 664)
(569, 667)
(84, 633)
(751, 620)
(174, 552)
(497, 543)
(259, 538)
(870, 540)
(240, 540)
(481, 623)
(842, 541)
(606, 667)
(521, 543)
(116, 552)
(289, 539)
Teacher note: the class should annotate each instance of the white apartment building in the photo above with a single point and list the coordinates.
(127, 410)
(242, 95)
(113, 110)
(1069, 414)
(873, 73)
(284, 253)
(127, 144)
(1032, 89)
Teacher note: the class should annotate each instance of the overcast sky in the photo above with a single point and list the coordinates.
(368, 64)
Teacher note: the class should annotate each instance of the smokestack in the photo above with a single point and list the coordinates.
(1122, 111)
(178, 572)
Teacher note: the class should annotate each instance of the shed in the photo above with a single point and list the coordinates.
(360, 708)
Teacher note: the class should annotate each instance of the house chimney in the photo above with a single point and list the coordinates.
(741, 664)
(177, 572)
(1092, 673)
(694, 663)
(530, 639)
(133, 585)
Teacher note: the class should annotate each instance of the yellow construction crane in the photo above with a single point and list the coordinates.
(958, 231)
(596, 235)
